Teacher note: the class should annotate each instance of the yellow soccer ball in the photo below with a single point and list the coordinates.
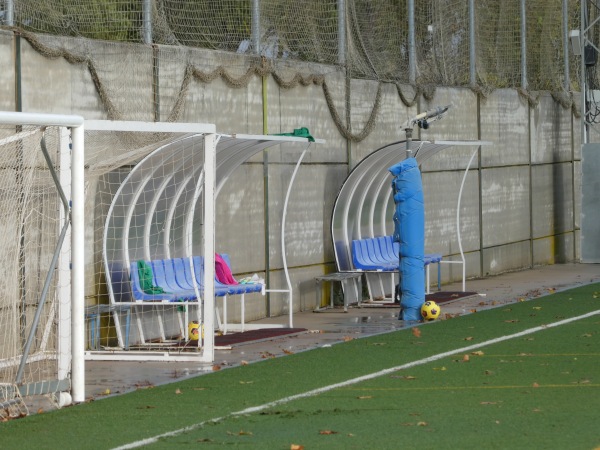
(193, 330)
(430, 310)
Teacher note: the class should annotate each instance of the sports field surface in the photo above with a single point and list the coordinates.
(520, 376)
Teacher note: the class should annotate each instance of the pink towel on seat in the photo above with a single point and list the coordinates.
(222, 271)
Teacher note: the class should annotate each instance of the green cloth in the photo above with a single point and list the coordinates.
(299, 132)
(145, 275)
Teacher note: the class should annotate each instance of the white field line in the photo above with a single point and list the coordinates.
(356, 380)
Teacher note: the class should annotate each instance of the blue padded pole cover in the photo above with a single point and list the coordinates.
(409, 232)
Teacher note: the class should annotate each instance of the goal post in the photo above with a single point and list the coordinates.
(42, 311)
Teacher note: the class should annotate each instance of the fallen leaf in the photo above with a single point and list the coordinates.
(416, 332)
(512, 321)
(106, 391)
(422, 424)
(347, 338)
(40, 411)
(488, 403)
(296, 447)
(473, 310)
(537, 307)
(245, 433)
(535, 385)
(288, 352)
(364, 397)
(246, 382)
(586, 335)
(216, 367)
(177, 391)
(327, 432)
(465, 358)
(470, 338)
(477, 353)
(439, 368)
(243, 363)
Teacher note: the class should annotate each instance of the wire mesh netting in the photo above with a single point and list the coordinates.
(34, 348)
(370, 38)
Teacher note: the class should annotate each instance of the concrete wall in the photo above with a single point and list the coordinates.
(521, 200)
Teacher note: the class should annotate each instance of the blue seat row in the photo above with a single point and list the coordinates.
(174, 276)
(381, 254)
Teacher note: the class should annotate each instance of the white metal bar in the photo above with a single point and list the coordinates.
(210, 151)
(283, 221)
(64, 272)
(78, 265)
(19, 118)
(150, 127)
(462, 185)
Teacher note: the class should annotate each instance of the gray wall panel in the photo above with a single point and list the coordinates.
(505, 258)
(504, 122)
(440, 212)
(550, 132)
(590, 203)
(552, 199)
(505, 203)
(553, 249)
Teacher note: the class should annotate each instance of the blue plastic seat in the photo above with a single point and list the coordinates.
(139, 295)
(164, 276)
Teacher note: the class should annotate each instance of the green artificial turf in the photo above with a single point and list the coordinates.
(535, 391)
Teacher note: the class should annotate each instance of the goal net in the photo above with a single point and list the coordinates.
(36, 280)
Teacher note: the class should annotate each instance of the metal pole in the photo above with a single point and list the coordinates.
(412, 64)
(523, 46)
(147, 21)
(341, 32)
(565, 21)
(583, 87)
(9, 13)
(472, 76)
(256, 26)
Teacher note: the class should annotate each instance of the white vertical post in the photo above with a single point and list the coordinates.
(210, 169)
(64, 271)
(77, 266)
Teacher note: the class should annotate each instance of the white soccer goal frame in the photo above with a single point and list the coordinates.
(71, 357)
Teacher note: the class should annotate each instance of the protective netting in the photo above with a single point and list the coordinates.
(34, 278)
(373, 43)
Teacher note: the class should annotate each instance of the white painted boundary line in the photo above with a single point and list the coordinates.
(352, 381)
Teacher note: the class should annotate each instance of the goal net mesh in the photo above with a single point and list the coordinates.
(31, 281)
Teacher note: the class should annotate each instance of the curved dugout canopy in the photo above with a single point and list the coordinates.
(365, 206)
(156, 212)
